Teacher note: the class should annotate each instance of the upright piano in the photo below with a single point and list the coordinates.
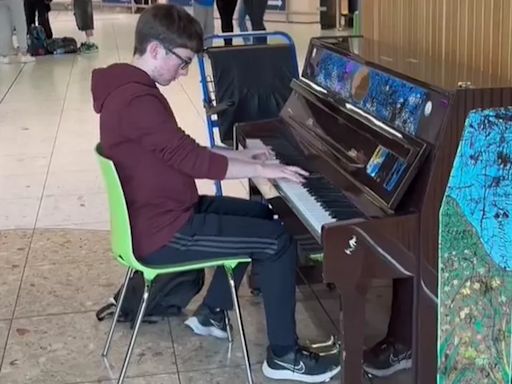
(377, 128)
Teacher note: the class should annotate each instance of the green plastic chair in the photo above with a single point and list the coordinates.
(121, 242)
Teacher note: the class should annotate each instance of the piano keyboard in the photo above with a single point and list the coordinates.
(317, 201)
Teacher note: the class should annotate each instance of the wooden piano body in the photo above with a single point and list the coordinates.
(379, 130)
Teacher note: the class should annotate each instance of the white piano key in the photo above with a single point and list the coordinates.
(301, 201)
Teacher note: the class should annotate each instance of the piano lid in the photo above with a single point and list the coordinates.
(442, 74)
(406, 106)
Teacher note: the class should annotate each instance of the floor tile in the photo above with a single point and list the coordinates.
(23, 164)
(4, 330)
(14, 247)
(22, 186)
(67, 287)
(68, 159)
(67, 349)
(67, 246)
(67, 183)
(9, 286)
(153, 379)
(18, 213)
(58, 210)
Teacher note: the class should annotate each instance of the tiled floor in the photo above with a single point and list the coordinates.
(54, 246)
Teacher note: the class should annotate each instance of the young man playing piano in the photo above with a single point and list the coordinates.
(158, 164)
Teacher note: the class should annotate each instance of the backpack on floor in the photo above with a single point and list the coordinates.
(169, 295)
(37, 41)
(62, 45)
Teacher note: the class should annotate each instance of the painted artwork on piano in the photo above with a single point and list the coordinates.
(387, 98)
(475, 255)
(386, 168)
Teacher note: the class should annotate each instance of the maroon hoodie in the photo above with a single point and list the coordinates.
(156, 161)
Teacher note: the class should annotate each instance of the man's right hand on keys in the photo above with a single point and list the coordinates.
(273, 170)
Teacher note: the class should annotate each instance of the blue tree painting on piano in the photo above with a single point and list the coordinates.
(394, 101)
(335, 72)
(389, 99)
(475, 255)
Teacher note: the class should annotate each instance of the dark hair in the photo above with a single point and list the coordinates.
(171, 26)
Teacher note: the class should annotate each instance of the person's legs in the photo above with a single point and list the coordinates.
(43, 18)
(30, 12)
(199, 13)
(209, 28)
(223, 228)
(84, 18)
(205, 17)
(17, 10)
(6, 47)
(242, 24)
(226, 10)
(20, 23)
(256, 11)
(394, 352)
(400, 321)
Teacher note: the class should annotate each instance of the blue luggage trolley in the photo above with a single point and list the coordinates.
(244, 82)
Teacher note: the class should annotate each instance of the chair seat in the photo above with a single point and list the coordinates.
(181, 267)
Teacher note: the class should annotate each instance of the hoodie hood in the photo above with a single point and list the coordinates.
(107, 80)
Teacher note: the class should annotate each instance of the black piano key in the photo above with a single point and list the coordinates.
(326, 194)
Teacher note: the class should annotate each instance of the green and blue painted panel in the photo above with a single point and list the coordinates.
(475, 255)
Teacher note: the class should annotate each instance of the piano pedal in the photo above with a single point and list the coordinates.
(324, 348)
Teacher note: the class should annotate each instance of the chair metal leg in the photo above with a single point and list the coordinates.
(228, 326)
(119, 304)
(138, 321)
(236, 304)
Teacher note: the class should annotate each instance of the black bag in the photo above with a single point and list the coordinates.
(37, 41)
(62, 45)
(169, 295)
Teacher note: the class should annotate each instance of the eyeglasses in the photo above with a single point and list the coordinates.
(184, 62)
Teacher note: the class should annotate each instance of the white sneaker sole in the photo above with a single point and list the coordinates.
(284, 374)
(404, 364)
(199, 329)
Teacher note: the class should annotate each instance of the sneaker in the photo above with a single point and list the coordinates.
(88, 47)
(386, 358)
(301, 365)
(26, 58)
(5, 60)
(205, 323)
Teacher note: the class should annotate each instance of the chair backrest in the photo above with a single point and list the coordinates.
(255, 80)
(121, 237)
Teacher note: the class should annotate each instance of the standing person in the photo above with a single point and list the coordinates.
(84, 18)
(12, 15)
(226, 10)
(158, 164)
(256, 11)
(41, 9)
(203, 12)
(242, 24)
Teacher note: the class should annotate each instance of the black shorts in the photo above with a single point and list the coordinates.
(83, 15)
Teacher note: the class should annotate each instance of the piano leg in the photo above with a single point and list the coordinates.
(425, 335)
(353, 325)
